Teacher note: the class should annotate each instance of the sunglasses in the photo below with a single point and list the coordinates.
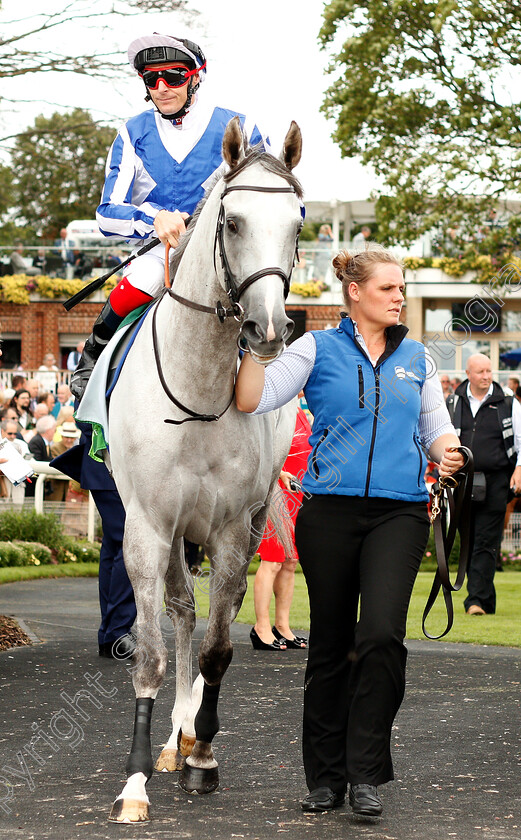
(174, 77)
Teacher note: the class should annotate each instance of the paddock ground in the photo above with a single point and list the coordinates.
(456, 744)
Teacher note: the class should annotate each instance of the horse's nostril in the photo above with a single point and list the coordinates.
(288, 330)
(252, 330)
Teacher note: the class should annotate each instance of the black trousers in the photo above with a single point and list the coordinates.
(488, 519)
(356, 554)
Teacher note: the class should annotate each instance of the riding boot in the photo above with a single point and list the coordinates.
(104, 328)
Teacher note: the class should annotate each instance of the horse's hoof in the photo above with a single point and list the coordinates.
(199, 779)
(129, 811)
(170, 760)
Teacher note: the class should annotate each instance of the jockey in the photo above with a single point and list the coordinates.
(157, 171)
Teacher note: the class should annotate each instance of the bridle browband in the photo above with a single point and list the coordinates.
(234, 290)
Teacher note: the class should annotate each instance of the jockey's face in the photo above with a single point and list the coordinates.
(170, 100)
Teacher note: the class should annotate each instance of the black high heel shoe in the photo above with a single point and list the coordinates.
(258, 644)
(297, 642)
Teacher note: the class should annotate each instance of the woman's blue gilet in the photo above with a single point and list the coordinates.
(365, 432)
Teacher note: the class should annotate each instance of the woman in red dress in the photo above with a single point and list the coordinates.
(276, 573)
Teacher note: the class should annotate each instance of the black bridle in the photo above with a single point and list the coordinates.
(234, 290)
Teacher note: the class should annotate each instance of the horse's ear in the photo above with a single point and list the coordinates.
(233, 143)
(292, 148)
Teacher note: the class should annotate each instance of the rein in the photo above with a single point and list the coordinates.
(193, 415)
(234, 291)
(452, 495)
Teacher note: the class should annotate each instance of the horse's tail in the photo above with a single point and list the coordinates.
(280, 522)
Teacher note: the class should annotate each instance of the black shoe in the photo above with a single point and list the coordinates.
(322, 799)
(258, 644)
(364, 800)
(121, 649)
(104, 328)
(297, 642)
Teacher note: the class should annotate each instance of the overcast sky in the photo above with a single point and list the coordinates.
(265, 61)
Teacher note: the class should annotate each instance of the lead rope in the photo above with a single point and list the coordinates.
(453, 495)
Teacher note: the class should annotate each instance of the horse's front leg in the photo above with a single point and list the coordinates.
(180, 606)
(227, 587)
(146, 558)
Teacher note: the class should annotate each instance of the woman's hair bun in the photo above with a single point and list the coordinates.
(342, 262)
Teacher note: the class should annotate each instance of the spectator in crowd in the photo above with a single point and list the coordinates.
(118, 610)
(322, 261)
(360, 238)
(40, 260)
(21, 404)
(18, 265)
(64, 247)
(489, 423)
(455, 382)
(276, 573)
(8, 413)
(40, 444)
(512, 384)
(63, 398)
(156, 194)
(7, 396)
(69, 435)
(34, 388)
(66, 412)
(47, 399)
(9, 430)
(82, 264)
(19, 380)
(73, 359)
(47, 374)
(445, 385)
(363, 526)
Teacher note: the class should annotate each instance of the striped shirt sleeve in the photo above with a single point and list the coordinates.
(286, 377)
(434, 416)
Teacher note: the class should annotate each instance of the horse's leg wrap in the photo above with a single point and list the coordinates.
(206, 719)
(200, 773)
(140, 758)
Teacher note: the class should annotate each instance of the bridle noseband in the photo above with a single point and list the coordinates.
(234, 291)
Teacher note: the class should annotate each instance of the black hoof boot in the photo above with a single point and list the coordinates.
(199, 779)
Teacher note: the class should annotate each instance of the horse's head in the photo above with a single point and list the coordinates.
(259, 224)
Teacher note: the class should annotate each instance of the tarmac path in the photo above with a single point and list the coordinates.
(457, 744)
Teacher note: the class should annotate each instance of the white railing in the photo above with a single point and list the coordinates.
(6, 376)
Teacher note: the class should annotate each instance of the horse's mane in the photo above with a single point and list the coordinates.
(255, 154)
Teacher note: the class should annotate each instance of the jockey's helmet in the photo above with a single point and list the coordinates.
(149, 50)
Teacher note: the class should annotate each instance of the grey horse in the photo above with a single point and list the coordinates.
(186, 462)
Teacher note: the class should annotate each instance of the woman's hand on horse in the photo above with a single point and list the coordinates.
(169, 226)
(451, 462)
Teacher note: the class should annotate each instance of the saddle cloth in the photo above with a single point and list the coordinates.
(93, 407)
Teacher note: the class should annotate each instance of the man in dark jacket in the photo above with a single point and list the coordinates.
(489, 423)
(116, 596)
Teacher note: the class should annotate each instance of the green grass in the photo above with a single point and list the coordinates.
(9, 574)
(504, 628)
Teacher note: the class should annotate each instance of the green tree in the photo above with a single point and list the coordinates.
(58, 170)
(428, 94)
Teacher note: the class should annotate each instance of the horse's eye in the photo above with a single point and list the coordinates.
(232, 227)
